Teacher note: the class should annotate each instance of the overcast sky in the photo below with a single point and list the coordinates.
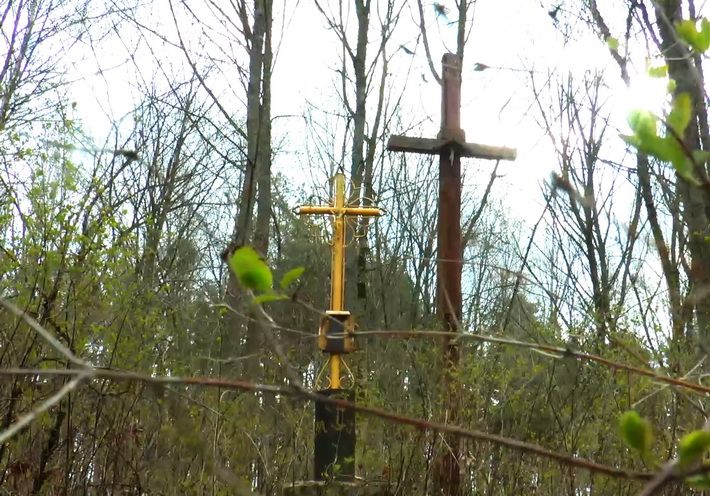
(512, 37)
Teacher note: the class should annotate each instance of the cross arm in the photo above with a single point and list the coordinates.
(436, 146)
(328, 210)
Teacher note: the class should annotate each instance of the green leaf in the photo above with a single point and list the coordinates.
(666, 149)
(693, 446)
(251, 270)
(685, 170)
(701, 156)
(612, 43)
(291, 276)
(643, 123)
(671, 86)
(268, 297)
(635, 431)
(681, 113)
(631, 140)
(658, 72)
(703, 38)
(688, 31)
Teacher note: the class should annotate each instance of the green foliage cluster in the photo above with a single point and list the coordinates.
(254, 274)
(692, 447)
(668, 147)
(688, 31)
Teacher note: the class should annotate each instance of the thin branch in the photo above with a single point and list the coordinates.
(606, 33)
(548, 350)
(422, 27)
(482, 205)
(202, 81)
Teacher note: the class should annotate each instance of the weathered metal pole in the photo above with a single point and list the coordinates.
(450, 145)
(337, 271)
(447, 476)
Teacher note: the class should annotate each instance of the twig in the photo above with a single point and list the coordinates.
(686, 375)
(86, 371)
(544, 349)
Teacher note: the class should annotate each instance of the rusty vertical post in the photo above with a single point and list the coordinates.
(451, 99)
(449, 222)
(449, 264)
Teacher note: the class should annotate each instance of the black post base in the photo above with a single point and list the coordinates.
(334, 457)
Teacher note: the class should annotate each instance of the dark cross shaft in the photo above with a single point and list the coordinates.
(450, 145)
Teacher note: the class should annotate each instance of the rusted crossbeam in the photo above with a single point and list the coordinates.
(436, 146)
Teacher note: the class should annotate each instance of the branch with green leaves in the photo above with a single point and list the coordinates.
(254, 274)
(690, 465)
(669, 145)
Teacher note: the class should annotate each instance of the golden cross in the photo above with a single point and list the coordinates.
(338, 320)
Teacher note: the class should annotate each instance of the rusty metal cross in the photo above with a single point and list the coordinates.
(450, 145)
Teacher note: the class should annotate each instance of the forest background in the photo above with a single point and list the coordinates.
(140, 141)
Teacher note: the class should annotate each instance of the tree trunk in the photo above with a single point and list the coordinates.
(695, 200)
(255, 337)
(255, 179)
(355, 292)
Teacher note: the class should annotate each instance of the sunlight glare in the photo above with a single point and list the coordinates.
(644, 93)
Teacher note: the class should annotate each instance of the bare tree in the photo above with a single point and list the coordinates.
(582, 198)
(33, 35)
